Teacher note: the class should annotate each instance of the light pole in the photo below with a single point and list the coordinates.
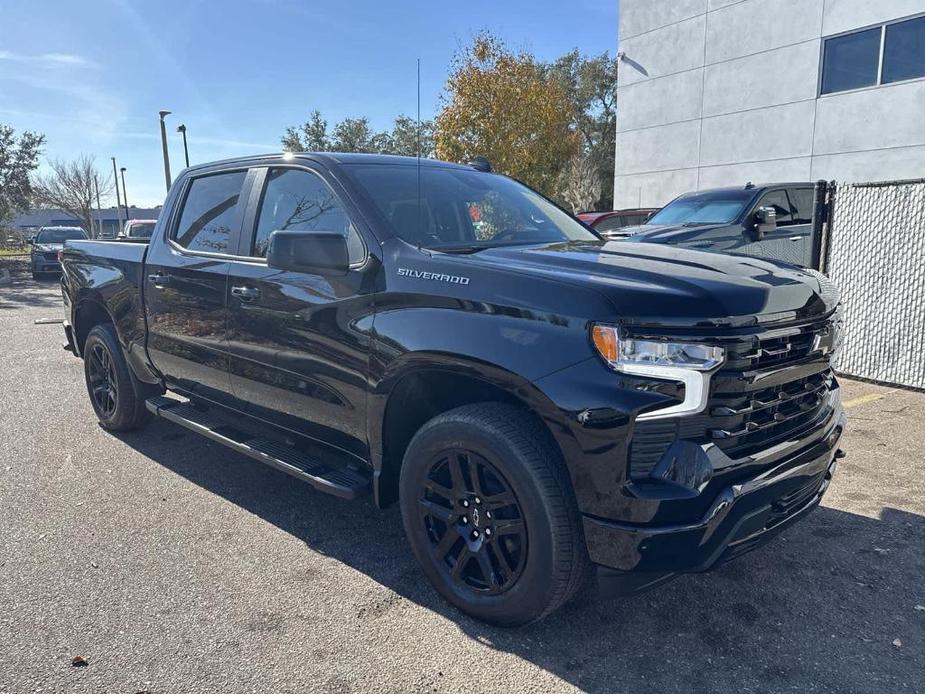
(182, 129)
(99, 208)
(115, 177)
(163, 114)
(124, 193)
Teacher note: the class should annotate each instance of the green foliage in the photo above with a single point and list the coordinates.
(19, 157)
(356, 135)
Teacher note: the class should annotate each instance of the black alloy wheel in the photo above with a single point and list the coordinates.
(101, 380)
(477, 532)
(490, 515)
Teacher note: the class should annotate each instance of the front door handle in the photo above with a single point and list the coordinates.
(796, 238)
(245, 293)
(159, 279)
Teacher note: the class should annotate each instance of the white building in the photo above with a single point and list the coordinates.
(720, 92)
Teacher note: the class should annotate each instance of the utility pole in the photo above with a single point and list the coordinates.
(115, 176)
(99, 208)
(182, 129)
(124, 194)
(164, 114)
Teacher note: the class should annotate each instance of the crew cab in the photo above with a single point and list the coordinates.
(775, 221)
(542, 403)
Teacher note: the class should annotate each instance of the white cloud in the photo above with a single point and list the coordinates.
(49, 59)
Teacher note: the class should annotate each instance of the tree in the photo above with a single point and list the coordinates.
(311, 136)
(19, 157)
(591, 84)
(506, 106)
(580, 183)
(404, 137)
(72, 187)
(356, 135)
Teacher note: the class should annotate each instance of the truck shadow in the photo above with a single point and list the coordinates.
(820, 606)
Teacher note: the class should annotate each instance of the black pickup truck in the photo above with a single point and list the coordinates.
(542, 403)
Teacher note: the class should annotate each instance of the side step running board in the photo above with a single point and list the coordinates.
(341, 481)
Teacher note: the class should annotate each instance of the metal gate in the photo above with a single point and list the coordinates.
(876, 255)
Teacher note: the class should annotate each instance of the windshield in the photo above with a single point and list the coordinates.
(141, 231)
(461, 209)
(703, 208)
(59, 235)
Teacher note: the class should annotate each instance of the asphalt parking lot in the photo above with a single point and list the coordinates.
(173, 565)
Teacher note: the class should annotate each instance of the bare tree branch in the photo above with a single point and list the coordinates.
(72, 187)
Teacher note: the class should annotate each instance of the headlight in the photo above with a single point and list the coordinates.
(621, 352)
(690, 363)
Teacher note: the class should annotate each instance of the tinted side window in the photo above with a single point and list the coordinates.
(851, 61)
(209, 212)
(801, 201)
(778, 200)
(904, 50)
(301, 201)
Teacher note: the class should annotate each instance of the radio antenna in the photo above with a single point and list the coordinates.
(420, 197)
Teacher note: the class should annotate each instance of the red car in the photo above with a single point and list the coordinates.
(604, 222)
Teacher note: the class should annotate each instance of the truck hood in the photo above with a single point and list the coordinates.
(662, 233)
(666, 285)
(48, 247)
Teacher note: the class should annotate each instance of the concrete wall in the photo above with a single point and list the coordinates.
(720, 92)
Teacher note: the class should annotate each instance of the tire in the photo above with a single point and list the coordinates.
(530, 568)
(117, 397)
(36, 276)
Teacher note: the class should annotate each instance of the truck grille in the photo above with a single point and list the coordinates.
(53, 255)
(773, 386)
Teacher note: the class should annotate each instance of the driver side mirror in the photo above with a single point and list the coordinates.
(315, 252)
(30, 240)
(765, 221)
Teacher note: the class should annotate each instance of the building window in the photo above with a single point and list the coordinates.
(879, 55)
(851, 61)
(904, 51)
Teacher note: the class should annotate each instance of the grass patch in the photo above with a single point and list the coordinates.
(13, 252)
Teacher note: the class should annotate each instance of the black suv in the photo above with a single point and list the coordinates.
(43, 256)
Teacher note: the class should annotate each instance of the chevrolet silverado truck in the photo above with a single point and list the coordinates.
(774, 221)
(543, 404)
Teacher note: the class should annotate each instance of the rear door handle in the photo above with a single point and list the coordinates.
(159, 279)
(245, 293)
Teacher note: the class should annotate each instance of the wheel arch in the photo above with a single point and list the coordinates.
(426, 385)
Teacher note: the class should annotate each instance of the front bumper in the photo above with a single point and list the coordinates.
(42, 264)
(743, 516)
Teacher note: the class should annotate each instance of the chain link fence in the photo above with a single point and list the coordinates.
(876, 256)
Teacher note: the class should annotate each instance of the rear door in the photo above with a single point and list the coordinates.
(186, 273)
(299, 341)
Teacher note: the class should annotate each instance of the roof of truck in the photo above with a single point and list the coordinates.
(333, 157)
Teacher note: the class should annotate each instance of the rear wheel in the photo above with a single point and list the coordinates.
(116, 395)
(488, 510)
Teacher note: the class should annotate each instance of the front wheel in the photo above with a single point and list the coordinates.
(116, 395)
(489, 511)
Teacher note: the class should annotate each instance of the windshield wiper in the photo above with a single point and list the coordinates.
(462, 249)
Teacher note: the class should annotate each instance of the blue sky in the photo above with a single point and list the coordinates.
(93, 75)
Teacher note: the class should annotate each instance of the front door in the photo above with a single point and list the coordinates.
(298, 341)
(185, 287)
(790, 242)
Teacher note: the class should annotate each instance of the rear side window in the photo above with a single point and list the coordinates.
(778, 200)
(210, 212)
(298, 200)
